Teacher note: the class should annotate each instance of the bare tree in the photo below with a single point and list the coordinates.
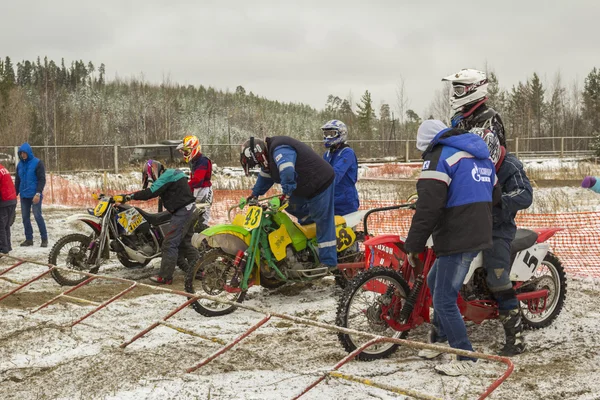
(440, 108)
(402, 105)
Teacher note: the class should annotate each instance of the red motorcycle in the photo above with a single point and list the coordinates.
(390, 297)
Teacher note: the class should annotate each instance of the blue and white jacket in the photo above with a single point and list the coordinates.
(455, 195)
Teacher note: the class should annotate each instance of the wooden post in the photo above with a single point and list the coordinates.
(116, 156)
(517, 147)
(52, 187)
(406, 151)
(562, 147)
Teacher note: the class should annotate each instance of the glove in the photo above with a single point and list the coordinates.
(588, 182)
(284, 198)
(252, 200)
(413, 259)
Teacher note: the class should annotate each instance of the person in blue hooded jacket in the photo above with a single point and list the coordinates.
(455, 189)
(345, 165)
(30, 180)
(592, 183)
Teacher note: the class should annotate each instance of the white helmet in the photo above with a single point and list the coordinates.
(469, 86)
(492, 142)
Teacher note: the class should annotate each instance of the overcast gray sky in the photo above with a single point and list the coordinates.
(302, 51)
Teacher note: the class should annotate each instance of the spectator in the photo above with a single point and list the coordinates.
(30, 180)
(8, 204)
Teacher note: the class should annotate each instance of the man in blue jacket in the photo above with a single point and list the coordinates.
(30, 180)
(306, 180)
(345, 165)
(455, 206)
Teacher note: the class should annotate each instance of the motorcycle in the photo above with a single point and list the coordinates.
(264, 247)
(133, 234)
(390, 297)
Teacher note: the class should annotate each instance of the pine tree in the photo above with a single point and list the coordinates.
(591, 102)
(537, 104)
(366, 115)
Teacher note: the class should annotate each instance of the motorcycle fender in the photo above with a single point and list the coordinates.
(233, 230)
(278, 241)
(526, 262)
(476, 263)
(228, 242)
(90, 220)
(355, 218)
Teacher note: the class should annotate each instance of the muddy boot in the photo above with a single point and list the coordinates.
(513, 330)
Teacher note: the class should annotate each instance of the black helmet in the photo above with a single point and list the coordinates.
(151, 171)
(254, 152)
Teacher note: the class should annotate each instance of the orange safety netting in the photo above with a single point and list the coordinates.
(577, 246)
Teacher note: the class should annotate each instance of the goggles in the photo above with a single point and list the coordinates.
(462, 90)
(330, 133)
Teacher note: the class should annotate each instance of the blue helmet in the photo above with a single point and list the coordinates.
(334, 132)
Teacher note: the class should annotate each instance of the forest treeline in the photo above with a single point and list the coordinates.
(50, 103)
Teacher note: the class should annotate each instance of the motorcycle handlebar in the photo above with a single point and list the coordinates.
(230, 209)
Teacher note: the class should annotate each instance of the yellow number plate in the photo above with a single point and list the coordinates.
(253, 217)
(345, 238)
(100, 208)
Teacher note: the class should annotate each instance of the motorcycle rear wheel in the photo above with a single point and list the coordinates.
(358, 309)
(70, 251)
(550, 275)
(211, 273)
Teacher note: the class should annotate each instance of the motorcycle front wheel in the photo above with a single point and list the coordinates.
(360, 309)
(72, 252)
(212, 275)
(549, 275)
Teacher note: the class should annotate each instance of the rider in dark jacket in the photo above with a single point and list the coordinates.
(517, 195)
(172, 188)
(305, 178)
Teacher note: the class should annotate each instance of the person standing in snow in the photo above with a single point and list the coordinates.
(469, 95)
(200, 175)
(455, 189)
(8, 205)
(307, 182)
(30, 181)
(345, 165)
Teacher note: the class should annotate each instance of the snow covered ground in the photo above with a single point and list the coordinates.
(40, 358)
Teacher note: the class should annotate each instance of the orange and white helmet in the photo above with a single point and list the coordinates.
(190, 148)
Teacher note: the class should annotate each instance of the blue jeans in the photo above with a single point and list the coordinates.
(26, 207)
(496, 262)
(319, 209)
(445, 280)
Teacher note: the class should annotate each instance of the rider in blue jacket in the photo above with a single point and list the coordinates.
(455, 190)
(345, 165)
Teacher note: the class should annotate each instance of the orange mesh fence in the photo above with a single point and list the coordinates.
(577, 246)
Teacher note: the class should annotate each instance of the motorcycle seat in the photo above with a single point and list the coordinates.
(524, 239)
(310, 230)
(155, 219)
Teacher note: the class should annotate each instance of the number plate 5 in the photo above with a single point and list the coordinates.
(253, 217)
